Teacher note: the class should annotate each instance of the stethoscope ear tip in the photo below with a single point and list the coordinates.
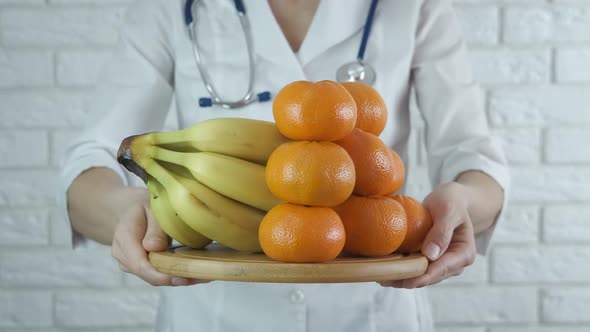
(264, 96)
(205, 102)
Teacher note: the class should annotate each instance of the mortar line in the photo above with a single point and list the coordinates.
(553, 64)
(541, 236)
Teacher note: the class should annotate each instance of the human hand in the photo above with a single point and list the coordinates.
(450, 244)
(138, 233)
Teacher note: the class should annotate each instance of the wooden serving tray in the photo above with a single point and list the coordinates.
(217, 262)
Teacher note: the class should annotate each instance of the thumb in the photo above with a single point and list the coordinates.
(155, 239)
(438, 238)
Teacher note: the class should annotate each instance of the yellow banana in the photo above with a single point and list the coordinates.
(248, 139)
(247, 216)
(169, 221)
(235, 178)
(196, 214)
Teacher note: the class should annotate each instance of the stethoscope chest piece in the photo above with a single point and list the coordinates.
(356, 71)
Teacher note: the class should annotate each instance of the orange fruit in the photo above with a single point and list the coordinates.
(375, 226)
(373, 162)
(301, 234)
(419, 223)
(310, 173)
(308, 111)
(371, 108)
(399, 175)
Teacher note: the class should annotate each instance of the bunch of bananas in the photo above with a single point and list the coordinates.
(207, 182)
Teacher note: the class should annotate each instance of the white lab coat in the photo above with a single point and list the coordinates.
(413, 43)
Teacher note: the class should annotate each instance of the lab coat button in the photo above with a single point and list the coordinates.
(297, 296)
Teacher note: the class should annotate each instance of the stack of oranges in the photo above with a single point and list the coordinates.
(337, 178)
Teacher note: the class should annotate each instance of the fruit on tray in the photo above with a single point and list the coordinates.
(419, 223)
(169, 220)
(371, 108)
(311, 173)
(247, 139)
(375, 226)
(302, 234)
(376, 170)
(318, 182)
(214, 194)
(314, 111)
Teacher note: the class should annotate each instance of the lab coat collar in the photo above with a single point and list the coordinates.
(326, 30)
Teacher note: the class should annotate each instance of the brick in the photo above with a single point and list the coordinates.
(91, 268)
(509, 2)
(461, 329)
(556, 184)
(566, 305)
(80, 68)
(22, 2)
(476, 273)
(61, 26)
(18, 225)
(540, 329)
(42, 109)
(28, 188)
(84, 330)
(566, 145)
(521, 145)
(38, 305)
(24, 148)
(480, 24)
(106, 309)
(60, 140)
(484, 304)
(566, 224)
(25, 68)
(572, 65)
(504, 66)
(520, 224)
(92, 2)
(547, 24)
(58, 235)
(540, 264)
(542, 106)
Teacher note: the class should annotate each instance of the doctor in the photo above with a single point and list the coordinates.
(412, 44)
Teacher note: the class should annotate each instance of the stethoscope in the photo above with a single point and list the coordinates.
(356, 71)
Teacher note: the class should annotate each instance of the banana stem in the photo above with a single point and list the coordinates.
(158, 172)
(170, 156)
(166, 137)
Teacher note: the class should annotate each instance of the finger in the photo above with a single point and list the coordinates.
(136, 259)
(177, 281)
(155, 239)
(391, 283)
(439, 237)
(116, 251)
(460, 254)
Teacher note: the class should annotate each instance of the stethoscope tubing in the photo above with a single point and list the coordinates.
(367, 31)
(249, 97)
(215, 99)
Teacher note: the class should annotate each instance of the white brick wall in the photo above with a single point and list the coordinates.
(531, 56)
